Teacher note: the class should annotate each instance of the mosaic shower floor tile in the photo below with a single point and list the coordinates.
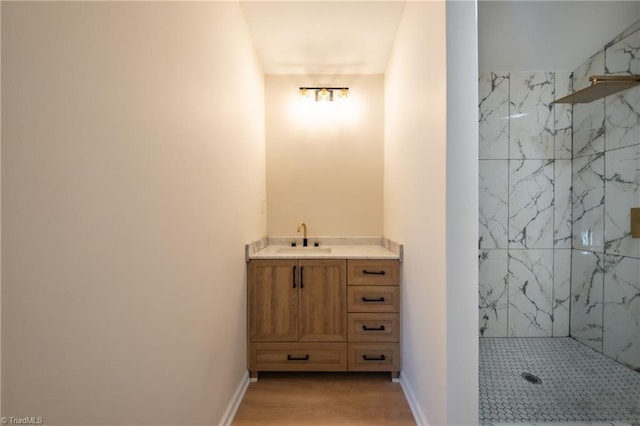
(564, 382)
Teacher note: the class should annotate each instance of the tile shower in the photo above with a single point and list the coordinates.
(556, 257)
(556, 184)
(525, 205)
(605, 285)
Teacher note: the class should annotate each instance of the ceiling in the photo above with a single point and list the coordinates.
(547, 35)
(323, 37)
(356, 37)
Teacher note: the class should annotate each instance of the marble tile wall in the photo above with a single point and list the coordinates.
(525, 204)
(556, 184)
(605, 271)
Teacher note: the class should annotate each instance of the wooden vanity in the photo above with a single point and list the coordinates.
(328, 314)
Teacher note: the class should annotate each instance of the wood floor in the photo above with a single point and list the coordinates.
(324, 399)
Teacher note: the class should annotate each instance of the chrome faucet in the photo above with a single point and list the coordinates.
(305, 242)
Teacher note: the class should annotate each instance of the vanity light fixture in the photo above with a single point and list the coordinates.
(324, 93)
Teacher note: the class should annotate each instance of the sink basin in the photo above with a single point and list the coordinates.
(304, 250)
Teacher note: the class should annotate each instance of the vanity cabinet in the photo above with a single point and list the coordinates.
(323, 315)
(374, 315)
(297, 315)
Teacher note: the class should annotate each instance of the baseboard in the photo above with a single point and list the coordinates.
(230, 412)
(418, 415)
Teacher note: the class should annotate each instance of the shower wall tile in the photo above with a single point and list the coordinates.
(587, 284)
(592, 66)
(588, 128)
(562, 204)
(623, 57)
(622, 191)
(561, 291)
(494, 116)
(563, 118)
(621, 332)
(605, 288)
(493, 298)
(627, 32)
(525, 203)
(531, 134)
(531, 203)
(530, 293)
(588, 203)
(622, 120)
(588, 119)
(493, 203)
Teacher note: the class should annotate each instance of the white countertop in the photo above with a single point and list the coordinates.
(329, 248)
(336, 252)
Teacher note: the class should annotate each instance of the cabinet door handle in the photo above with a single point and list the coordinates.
(373, 358)
(380, 328)
(366, 299)
(298, 358)
(302, 277)
(294, 276)
(364, 271)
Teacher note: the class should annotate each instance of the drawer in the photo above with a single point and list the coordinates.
(294, 356)
(373, 272)
(374, 356)
(373, 299)
(374, 327)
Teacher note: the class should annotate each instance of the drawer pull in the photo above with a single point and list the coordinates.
(364, 271)
(298, 358)
(373, 358)
(294, 276)
(366, 299)
(302, 277)
(365, 328)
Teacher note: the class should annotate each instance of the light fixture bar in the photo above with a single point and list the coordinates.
(325, 93)
(324, 87)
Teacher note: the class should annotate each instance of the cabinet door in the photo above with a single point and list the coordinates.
(323, 300)
(273, 301)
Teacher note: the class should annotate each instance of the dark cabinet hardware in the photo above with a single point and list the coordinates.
(298, 358)
(365, 328)
(373, 358)
(364, 271)
(379, 299)
(302, 277)
(294, 276)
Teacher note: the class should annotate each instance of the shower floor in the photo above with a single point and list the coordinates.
(579, 385)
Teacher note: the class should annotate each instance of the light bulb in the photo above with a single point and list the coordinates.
(324, 95)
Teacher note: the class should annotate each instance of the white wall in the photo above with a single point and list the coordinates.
(0, 212)
(431, 204)
(415, 198)
(133, 173)
(325, 159)
(548, 35)
(462, 212)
